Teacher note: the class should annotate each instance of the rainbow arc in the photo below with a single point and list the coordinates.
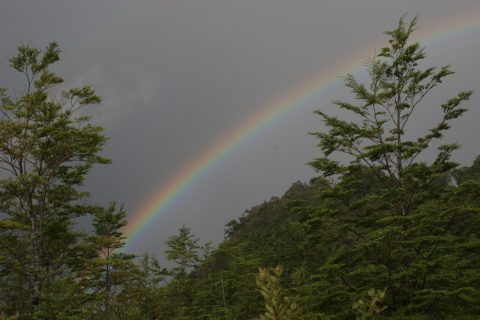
(170, 191)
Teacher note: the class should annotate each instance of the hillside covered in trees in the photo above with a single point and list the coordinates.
(379, 233)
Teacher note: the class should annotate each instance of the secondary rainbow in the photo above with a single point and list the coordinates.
(299, 96)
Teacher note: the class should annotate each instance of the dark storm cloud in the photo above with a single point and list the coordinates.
(175, 75)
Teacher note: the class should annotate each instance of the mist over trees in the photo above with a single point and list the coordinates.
(379, 233)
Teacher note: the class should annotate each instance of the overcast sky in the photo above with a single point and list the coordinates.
(175, 75)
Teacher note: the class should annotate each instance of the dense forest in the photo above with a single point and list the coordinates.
(379, 233)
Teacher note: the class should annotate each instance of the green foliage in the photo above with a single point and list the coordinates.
(107, 271)
(45, 153)
(63, 299)
(183, 250)
(390, 219)
(48, 269)
(277, 305)
(370, 308)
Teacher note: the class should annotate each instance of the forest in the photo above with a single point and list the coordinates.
(381, 232)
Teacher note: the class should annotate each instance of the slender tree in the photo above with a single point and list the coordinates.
(183, 249)
(46, 149)
(109, 271)
(387, 218)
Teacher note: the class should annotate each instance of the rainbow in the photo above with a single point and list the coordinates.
(303, 94)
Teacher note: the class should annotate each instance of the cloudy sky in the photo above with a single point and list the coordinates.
(178, 75)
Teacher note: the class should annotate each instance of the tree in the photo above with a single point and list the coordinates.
(46, 150)
(388, 217)
(108, 270)
(183, 249)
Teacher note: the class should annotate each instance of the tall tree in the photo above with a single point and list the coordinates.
(109, 271)
(387, 218)
(46, 149)
(183, 249)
